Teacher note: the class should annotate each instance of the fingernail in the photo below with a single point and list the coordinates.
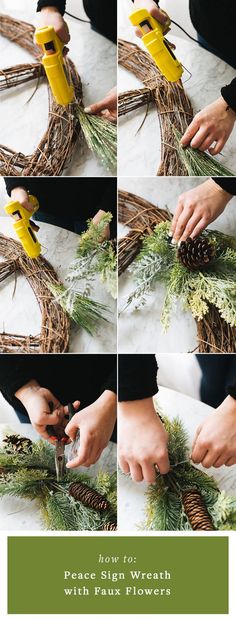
(173, 241)
(170, 234)
(88, 110)
(179, 243)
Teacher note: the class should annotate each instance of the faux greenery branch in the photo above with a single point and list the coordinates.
(101, 137)
(214, 285)
(186, 498)
(27, 470)
(95, 255)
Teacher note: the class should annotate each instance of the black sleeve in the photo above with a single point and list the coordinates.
(111, 383)
(231, 389)
(226, 183)
(12, 182)
(59, 4)
(15, 373)
(229, 94)
(137, 377)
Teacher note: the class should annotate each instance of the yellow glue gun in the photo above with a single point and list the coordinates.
(23, 226)
(54, 65)
(157, 46)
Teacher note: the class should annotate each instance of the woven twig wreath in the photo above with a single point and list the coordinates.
(173, 105)
(213, 333)
(55, 328)
(56, 148)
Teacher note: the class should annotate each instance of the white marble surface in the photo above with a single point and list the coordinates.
(20, 514)
(140, 331)
(132, 498)
(20, 314)
(95, 59)
(139, 153)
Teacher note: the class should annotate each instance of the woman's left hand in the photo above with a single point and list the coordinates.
(210, 128)
(215, 441)
(107, 107)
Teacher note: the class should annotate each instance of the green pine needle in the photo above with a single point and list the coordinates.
(101, 137)
(198, 163)
(84, 311)
(196, 290)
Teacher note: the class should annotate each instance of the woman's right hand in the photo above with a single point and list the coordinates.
(43, 409)
(19, 194)
(153, 9)
(50, 16)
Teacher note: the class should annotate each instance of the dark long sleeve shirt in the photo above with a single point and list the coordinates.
(138, 378)
(102, 13)
(227, 183)
(75, 198)
(69, 377)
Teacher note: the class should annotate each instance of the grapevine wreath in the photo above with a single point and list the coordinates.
(201, 273)
(174, 111)
(57, 146)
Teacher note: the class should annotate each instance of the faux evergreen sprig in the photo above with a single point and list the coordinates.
(95, 255)
(198, 163)
(186, 498)
(101, 137)
(32, 475)
(84, 311)
(215, 284)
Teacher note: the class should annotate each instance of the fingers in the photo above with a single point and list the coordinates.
(136, 472)
(83, 456)
(177, 214)
(145, 470)
(199, 228)
(163, 462)
(72, 427)
(182, 222)
(190, 227)
(190, 132)
(199, 137)
(215, 150)
(199, 451)
(41, 430)
(101, 105)
(76, 405)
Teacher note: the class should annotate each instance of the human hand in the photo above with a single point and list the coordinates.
(96, 423)
(197, 208)
(107, 107)
(215, 441)
(213, 124)
(50, 16)
(96, 219)
(153, 9)
(143, 441)
(38, 402)
(19, 194)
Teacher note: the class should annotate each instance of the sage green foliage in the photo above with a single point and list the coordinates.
(32, 476)
(198, 163)
(95, 255)
(157, 262)
(101, 137)
(164, 509)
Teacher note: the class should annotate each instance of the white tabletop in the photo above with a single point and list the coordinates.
(21, 314)
(21, 514)
(132, 498)
(139, 153)
(140, 331)
(22, 124)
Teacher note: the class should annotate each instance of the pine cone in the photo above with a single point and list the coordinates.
(17, 444)
(196, 253)
(89, 497)
(196, 511)
(110, 526)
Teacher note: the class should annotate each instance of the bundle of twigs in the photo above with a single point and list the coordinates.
(55, 328)
(174, 113)
(214, 335)
(56, 148)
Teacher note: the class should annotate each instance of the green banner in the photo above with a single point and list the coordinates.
(118, 574)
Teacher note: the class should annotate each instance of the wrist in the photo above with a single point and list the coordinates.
(50, 9)
(220, 190)
(25, 392)
(107, 402)
(138, 408)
